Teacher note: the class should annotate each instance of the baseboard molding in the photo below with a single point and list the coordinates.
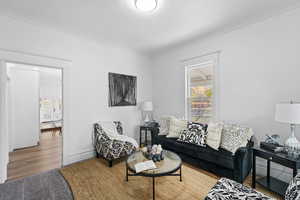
(70, 159)
(3, 175)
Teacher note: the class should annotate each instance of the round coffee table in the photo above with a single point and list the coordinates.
(167, 167)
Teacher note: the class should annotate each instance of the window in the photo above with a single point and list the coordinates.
(201, 90)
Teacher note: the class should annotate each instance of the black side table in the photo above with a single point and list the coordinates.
(273, 184)
(144, 132)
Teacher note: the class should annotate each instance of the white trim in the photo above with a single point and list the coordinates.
(198, 62)
(84, 155)
(50, 62)
(4, 148)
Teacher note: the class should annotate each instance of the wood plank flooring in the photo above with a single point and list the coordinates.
(34, 160)
(94, 180)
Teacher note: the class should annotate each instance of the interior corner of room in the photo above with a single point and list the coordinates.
(76, 73)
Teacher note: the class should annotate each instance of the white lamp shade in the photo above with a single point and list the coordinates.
(288, 113)
(147, 106)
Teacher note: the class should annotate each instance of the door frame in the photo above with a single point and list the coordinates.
(31, 68)
(10, 56)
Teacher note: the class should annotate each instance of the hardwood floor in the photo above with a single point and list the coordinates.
(33, 160)
(93, 179)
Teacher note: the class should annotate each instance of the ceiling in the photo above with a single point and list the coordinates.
(117, 21)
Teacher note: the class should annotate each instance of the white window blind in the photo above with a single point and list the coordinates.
(201, 90)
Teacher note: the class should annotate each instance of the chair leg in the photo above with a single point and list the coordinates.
(110, 163)
(97, 155)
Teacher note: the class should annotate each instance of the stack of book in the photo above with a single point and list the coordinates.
(143, 166)
(269, 146)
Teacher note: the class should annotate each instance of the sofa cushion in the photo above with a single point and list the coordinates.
(221, 157)
(228, 189)
(176, 126)
(195, 126)
(197, 137)
(214, 134)
(165, 125)
(234, 137)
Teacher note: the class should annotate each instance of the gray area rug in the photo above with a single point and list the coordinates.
(46, 186)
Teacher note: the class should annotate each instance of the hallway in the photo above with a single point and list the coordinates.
(33, 160)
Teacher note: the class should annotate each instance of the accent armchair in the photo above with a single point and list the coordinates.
(110, 143)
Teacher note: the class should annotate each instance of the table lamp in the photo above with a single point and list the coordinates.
(147, 107)
(289, 113)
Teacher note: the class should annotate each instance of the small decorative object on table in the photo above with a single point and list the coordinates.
(272, 144)
(273, 139)
(154, 153)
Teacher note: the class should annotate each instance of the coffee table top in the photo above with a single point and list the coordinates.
(169, 165)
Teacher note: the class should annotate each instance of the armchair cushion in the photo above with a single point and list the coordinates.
(109, 128)
(293, 191)
(228, 189)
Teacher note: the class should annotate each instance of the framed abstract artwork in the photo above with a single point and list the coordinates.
(122, 90)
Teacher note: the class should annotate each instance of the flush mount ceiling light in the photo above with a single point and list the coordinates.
(146, 5)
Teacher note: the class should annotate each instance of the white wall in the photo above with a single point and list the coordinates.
(87, 79)
(259, 67)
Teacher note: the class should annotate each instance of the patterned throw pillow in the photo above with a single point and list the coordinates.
(293, 191)
(214, 135)
(234, 137)
(226, 189)
(193, 136)
(176, 126)
(194, 126)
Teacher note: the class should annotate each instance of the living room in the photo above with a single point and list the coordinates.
(252, 45)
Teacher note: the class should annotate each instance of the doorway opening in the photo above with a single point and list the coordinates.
(35, 112)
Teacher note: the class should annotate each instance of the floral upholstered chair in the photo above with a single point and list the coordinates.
(111, 143)
(228, 189)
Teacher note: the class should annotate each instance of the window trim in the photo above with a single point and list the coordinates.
(195, 63)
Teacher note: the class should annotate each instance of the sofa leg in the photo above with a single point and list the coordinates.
(110, 163)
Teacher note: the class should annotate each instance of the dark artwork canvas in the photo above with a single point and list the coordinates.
(122, 90)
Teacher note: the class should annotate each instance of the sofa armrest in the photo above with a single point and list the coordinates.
(242, 163)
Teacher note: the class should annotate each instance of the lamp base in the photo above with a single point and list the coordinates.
(147, 119)
(292, 142)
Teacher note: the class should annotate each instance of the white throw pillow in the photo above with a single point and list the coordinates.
(214, 134)
(165, 125)
(176, 126)
(125, 138)
(109, 128)
(234, 137)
